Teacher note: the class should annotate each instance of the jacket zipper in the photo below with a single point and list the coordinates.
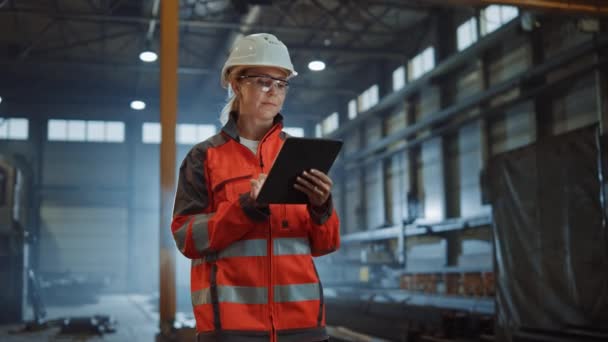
(269, 249)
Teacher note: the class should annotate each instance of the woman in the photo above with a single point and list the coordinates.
(252, 276)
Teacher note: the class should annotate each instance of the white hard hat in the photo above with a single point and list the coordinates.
(260, 49)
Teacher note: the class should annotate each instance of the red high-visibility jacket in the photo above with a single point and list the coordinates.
(252, 277)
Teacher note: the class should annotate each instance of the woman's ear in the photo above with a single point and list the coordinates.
(235, 88)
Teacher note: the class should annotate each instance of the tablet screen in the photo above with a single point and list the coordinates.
(296, 156)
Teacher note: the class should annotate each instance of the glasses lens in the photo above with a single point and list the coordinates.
(264, 83)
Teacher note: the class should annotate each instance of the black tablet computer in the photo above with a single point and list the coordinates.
(296, 156)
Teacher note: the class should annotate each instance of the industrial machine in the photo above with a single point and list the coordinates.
(14, 240)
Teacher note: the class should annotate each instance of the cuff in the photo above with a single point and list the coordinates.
(252, 210)
(321, 214)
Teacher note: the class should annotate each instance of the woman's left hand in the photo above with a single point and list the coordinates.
(316, 185)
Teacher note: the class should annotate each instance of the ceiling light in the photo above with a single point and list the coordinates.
(138, 105)
(316, 65)
(148, 56)
(0, 99)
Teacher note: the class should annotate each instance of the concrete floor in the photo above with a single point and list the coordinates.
(135, 314)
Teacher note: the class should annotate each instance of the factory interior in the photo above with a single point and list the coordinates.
(471, 186)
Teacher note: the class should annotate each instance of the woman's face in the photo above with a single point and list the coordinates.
(262, 92)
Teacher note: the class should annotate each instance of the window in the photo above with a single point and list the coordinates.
(96, 131)
(352, 109)
(150, 133)
(294, 131)
(186, 134)
(467, 33)
(494, 16)
(81, 130)
(57, 130)
(398, 78)
(206, 131)
(329, 124)
(318, 131)
(421, 63)
(14, 128)
(115, 131)
(76, 130)
(368, 98)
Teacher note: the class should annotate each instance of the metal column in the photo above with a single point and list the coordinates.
(169, 22)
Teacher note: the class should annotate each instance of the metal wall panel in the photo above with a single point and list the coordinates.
(576, 107)
(373, 131)
(452, 174)
(86, 241)
(374, 196)
(353, 216)
(434, 188)
(475, 249)
(513, 60)
(471, 163)
(352, 142)
(468, 83)
(397, 187)
(424, 253)
(374, 180)
(429, 102)
(146, 219)
(397, 170)
(516, 128)
(561, 35)
(73, 164)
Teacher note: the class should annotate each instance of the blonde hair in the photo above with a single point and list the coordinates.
(233, 99)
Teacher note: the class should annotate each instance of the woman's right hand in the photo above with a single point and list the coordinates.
(256, 185)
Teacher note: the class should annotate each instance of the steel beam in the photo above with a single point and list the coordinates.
(205, 24)
(589, 7)
(135, 68)
(168, 118)
(440, 117)
(441, 70)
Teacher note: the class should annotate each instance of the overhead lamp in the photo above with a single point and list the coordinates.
(138, 105)
(0, 99)
(148, 56)
(316, 65)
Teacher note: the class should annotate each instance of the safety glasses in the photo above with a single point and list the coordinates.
(264, 83)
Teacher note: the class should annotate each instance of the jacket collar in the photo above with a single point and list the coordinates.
(231, 129)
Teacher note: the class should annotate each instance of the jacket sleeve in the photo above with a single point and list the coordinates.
(324, 233)
(196, 229)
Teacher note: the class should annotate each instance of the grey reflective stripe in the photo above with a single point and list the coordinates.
(243, 294)
(200, 233)
(296, 292)
(290, 246)
(201, 297)
(196, 262)
(256, 247)
(233, 294)
(180, 235)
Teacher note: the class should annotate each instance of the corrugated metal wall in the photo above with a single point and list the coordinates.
(374, 181)
(84, 211)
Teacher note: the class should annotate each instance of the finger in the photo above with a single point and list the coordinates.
(308, 192)
(317, 182)
(314, 192)
(325, 178)
(305, 183)
(261, 179)
(317, 179)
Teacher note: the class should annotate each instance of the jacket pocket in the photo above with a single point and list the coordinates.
(231, 188)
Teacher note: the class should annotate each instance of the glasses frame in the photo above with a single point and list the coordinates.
(275, 83)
